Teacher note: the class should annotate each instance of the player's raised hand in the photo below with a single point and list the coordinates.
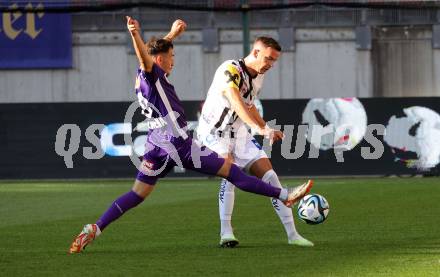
(132, 24)
(178, 27)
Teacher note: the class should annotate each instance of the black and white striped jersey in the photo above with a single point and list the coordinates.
(217, 115)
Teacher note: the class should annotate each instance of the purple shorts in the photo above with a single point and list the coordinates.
(162, 155)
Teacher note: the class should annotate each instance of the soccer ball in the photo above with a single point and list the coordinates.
(313, 209)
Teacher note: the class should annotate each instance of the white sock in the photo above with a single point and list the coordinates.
(98, 231)
(284, 213)
(283, 194)
(226, 206)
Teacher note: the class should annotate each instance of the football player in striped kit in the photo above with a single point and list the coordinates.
(223, 127)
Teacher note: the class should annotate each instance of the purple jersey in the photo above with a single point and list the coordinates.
(169, 145)
(159, 101)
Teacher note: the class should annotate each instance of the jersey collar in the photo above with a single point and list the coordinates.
(243, 65)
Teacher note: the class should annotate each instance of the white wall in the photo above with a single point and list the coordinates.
(326, 63)
(405, 64)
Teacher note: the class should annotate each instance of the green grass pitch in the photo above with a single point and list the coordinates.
(376, 227)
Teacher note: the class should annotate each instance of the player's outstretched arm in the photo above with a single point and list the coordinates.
(275, 135)
(254, 112)
(237, 104)
(178, 27)
(145, 60)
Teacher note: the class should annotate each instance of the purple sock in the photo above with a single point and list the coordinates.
(118, 208)
(251, 183)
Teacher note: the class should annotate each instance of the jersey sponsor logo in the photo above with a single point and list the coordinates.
(233, 76)
(152, 123)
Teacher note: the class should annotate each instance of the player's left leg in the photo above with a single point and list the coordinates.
(262, 168)
(223, 146)
(226, 196)
(120, 206)
(202, 159)
(226, 199)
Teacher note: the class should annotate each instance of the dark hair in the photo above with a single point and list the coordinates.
(269, 42)
(156, 46)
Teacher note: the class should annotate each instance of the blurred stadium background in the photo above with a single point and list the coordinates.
(72, 62)
(72, 55)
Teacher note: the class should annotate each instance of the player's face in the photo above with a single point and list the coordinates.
(166, 61)
(266, 59)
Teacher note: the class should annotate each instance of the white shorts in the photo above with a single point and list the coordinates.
(244, 149)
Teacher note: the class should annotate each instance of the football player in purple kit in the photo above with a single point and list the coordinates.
(170, 145)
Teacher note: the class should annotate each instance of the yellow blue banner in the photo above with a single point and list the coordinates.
(34, 40)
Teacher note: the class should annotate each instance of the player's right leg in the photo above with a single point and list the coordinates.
(289, 196)
(262, 168)
(210, 163)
